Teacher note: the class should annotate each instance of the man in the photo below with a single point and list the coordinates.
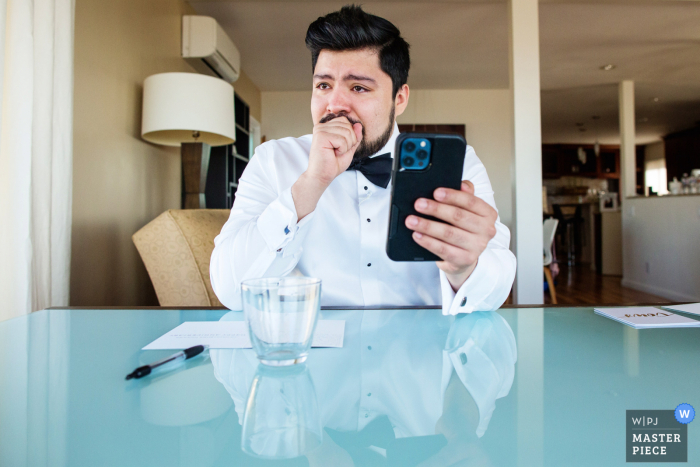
(299, 209)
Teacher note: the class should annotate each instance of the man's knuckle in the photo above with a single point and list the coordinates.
(470, 201)
(448, 233)
(458, 215)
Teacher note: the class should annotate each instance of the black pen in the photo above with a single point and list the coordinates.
(186, 354)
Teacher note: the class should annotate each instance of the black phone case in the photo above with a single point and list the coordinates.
(445, 170)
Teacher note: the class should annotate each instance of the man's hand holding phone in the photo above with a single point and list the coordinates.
(470, 225)
(332, 147)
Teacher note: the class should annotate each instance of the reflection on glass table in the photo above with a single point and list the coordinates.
(281, 418)
(385, 398)
(406, 389)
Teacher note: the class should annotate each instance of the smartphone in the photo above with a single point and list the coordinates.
(423, 162)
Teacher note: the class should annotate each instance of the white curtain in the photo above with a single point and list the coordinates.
(36, 168)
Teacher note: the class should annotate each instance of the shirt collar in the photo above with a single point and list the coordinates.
(389, 146)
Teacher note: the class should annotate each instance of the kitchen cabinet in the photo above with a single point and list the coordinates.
(682, 151)
(560, 160)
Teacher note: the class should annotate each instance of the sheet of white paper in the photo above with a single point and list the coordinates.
(647, 317)
(234, 335)
(693, 308)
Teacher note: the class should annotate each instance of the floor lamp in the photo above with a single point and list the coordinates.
(194, 112)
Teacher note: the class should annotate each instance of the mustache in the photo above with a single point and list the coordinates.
(328, 117)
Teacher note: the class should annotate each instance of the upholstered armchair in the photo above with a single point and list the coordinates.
(176, 248)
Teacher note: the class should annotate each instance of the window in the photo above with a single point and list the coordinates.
(655, 176)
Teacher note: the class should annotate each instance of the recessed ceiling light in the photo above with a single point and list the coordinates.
(607, 67)
(656, 99)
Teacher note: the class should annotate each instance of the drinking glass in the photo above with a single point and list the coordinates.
(282, 419)
(281, 314)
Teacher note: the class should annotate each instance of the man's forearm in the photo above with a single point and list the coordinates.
(306, 192)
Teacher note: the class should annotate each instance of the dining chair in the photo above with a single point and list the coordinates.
(571, 219)
(176, 249)
(548, 230)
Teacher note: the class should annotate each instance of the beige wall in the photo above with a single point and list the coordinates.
(120, 182)
(487, 115)
(286, 113)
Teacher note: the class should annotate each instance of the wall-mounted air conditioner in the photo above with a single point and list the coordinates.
(208, 48)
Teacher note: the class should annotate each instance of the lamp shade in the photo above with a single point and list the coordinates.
(176, 105)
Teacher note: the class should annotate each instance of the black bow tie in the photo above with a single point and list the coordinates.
(377, 169)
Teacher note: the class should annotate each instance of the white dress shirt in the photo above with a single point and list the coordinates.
(343, 240)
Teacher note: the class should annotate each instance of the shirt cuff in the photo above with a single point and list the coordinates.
(481, 348)
(473, 293)
(480, 377)
(278, 224)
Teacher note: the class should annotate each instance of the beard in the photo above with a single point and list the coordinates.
(366, 148)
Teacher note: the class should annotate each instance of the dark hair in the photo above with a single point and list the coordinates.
(353, 29)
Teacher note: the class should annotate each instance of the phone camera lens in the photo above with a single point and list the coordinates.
(422, 154)
(408, 161)
(410, 146)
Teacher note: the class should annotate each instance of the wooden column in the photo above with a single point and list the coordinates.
(628, 162)
(195, 165)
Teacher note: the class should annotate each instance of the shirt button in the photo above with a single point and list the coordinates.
(365, 188)
(279, 250)
(369, 394)
(464, 301)
(369, 347)
(369, 264)
(369, 220)
(366, 415)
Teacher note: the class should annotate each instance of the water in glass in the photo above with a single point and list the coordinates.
(281, 315)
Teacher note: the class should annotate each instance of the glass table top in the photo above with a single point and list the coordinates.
(515, 387)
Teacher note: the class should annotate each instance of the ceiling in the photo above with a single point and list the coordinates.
(464, 44)
(656, 44)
